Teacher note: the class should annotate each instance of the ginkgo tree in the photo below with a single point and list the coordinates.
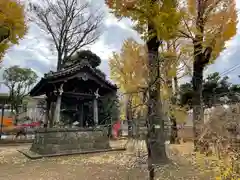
(209, 24)
(172, 68)
(12, 24)
(152, 20)
(129, 71)
(129, 67)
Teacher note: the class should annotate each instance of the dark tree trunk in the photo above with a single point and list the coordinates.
(174, 131)
(11, 99)
(16, 115)
(175, 82)
(197, 81)
(151, 171)
(201, 59)
(129, 116)
(197, 78)
(59, 62)
(155, 139)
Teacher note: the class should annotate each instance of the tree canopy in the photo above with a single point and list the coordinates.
(88, 55)
(19, 81)
(215, 88)
(208, 24)
(129, 67)
(129, 71)
(162, 15)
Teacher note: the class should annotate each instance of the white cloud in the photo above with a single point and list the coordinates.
(102, 50)
(35, 51)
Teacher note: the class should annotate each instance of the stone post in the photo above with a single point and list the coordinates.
(58, 105)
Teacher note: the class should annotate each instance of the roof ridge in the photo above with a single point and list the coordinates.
(69, 68)
(74, 68)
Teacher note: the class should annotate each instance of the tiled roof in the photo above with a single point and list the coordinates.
(70, 70)
(75, 68)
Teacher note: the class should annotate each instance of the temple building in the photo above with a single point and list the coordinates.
(79, 92)
(72, 94)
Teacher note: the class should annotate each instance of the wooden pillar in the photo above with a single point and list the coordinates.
(47, 115)
(95, 111)
(51, 116)
(81, 115)
(95, 108)
(58, 105)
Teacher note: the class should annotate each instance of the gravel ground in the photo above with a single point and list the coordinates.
(103, 166)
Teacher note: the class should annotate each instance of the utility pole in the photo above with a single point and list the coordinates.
(1, 130)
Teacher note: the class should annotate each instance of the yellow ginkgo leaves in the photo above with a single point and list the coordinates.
(129, 67)
(215, 23)
(12, 23)
(162, 15)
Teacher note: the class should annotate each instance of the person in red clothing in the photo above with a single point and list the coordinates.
(21, 130)
(116, 129)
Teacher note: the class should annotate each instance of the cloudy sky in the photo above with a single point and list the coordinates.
(34, 51)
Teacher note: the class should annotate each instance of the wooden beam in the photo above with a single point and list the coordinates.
(80, 76)
(74, 94)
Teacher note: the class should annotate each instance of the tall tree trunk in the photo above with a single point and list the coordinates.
(174, 121)
(174, 133)
(201, 58)
(11, 99)
(197, 81)
(155, 138)
(59, 62)
(16, 114)
(129, 115)
(175, 82)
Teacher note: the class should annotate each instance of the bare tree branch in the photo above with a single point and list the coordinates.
(71, 24)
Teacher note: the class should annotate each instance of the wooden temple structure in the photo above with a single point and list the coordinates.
(69, 90)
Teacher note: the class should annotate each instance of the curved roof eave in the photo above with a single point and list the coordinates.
(67, 71)
(35, 89)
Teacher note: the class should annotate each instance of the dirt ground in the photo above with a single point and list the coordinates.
(103, 166)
